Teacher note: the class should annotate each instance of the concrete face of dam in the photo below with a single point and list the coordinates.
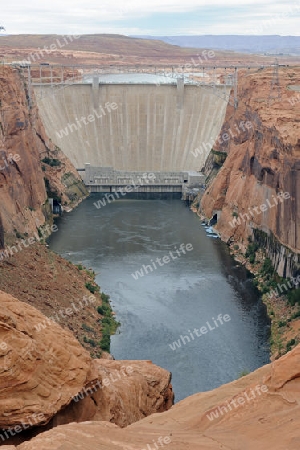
(152, 128)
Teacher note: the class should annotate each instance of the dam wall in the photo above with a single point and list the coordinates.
(133, 127)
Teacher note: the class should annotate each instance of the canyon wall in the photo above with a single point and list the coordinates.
(261, 140)
(23, 144)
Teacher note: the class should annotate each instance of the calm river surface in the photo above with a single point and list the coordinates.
(158, 308)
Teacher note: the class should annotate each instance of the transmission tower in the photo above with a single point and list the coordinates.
(275, 90)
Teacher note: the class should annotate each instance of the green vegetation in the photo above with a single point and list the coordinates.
(79, 267)
(293, 297)
(90, 273)
(51, 162)
(290, 344)
(86, 328)
(100, 310)
(251, 251)
(283, 310)
(90, 341)
(92, 287)
(108, 322)
(217, 153)
(267, 267)
(296, 315)
(244, 373)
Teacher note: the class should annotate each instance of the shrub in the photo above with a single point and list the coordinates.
(105, 343)
(79, 267)
(295, 315)
(293, 297)
(282, 323)
(290, 344)
(100, 310)
(86, 327)
(90, 273)
(51, 162)
(92, 287)
(267, 267)
(252, 259)
(105, 298)
(235, 214)
(90, 341)
(265, 289)
(251, 249)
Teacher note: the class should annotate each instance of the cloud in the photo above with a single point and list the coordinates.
(144, 17)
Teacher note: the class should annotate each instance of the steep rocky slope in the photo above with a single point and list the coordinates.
(53, 285)
(23, 144)
(261, 138)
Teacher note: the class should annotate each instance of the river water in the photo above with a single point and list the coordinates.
(184, 290)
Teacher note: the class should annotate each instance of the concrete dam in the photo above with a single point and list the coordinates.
(116, 132)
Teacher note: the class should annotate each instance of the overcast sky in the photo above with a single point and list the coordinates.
(152, 17)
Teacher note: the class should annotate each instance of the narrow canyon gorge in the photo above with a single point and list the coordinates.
(56, 390)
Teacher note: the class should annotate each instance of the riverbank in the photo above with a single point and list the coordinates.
(65, 293)
(284, 317)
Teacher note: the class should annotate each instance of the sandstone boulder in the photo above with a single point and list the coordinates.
(40, 371)
(125, 392)
(270, 419)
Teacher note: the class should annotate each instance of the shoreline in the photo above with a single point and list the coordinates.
(285, 331)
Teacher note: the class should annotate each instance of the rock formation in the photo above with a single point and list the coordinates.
(47, 378)
(40, 370)
(125, 392)
(23, 144)
(262, 142)
(257, 412)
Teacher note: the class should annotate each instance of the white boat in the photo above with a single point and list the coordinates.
(211, 232)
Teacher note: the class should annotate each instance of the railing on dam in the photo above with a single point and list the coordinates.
(61, 77)
(106, 179)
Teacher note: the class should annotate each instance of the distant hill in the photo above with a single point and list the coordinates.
(107, 49)
(275, 45)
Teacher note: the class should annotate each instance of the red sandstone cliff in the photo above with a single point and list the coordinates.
(23, 143)
(261, 138)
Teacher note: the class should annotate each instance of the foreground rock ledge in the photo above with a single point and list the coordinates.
(268, 421)
(47, 378)
(40, 371)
